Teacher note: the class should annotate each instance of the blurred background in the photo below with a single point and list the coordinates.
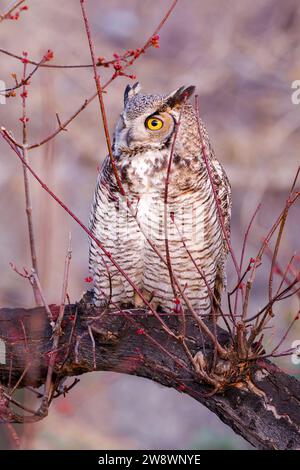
(243, 58)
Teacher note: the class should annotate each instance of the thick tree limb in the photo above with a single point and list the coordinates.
(263, 408)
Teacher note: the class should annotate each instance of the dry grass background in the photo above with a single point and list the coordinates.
(242, 57)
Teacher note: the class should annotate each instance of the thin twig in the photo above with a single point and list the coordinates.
(279, 237)
(34, 279)
(219, 210)
(59, 320)
(142, 50)
(25, 80)
(4, 134)
(149, 337)
(246, 236)
(203, 277)
(57, 333)
(200, 322)
(296, 317)
(93, 346)
(263, 248)
(284, 274)
(100, 97)
(167, 217)
(11, 9)
(27, 189)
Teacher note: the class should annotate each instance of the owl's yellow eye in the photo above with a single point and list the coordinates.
(154, 123)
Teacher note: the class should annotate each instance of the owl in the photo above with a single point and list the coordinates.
(161, 220)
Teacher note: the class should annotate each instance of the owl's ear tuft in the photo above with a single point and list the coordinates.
(179, 96)
(130, 91)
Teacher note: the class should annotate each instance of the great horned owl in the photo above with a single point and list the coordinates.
(143, 138)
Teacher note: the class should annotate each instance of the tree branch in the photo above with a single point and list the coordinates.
(263, 406)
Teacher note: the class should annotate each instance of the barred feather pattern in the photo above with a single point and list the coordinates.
(197, 245)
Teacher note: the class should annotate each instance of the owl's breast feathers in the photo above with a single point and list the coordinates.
(144, 172)
(191, 204)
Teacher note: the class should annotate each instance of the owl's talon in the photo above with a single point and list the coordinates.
(140, 303)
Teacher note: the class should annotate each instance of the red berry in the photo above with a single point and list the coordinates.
(155, 41)
(101, 60)
(118, 66)
(48, 56)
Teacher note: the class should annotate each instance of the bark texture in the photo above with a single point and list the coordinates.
(263, 408)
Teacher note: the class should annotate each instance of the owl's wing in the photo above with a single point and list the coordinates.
(98, 213)
(101, 187)
(221, 183)
(223, 191)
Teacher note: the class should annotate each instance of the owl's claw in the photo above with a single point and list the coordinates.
(139, 302)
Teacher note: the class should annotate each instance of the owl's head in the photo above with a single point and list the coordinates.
(148, 120)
